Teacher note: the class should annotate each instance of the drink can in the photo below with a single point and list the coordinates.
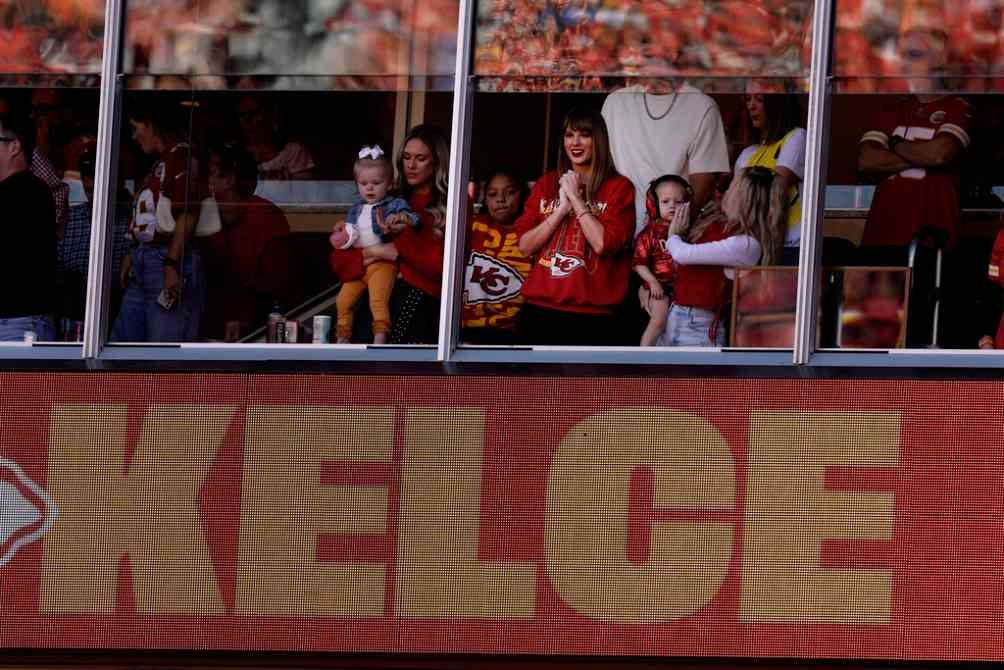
(292, 331)
(322, 329)
(273, 333)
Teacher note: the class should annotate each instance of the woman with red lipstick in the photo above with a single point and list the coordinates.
(577, 225)
(422, 166)
(777, 118)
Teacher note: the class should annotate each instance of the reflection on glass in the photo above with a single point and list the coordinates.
(47, 139)
(234, 198)
(929, 159)
(59, 37)
(764, 307)
(574, 44)
(356, 43)
(956, 44)
(873, 308)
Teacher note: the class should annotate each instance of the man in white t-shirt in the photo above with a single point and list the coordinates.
(662, 128)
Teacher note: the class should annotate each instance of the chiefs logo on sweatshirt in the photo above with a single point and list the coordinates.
(26, 510)
(563, 265)
(571, 273)
(490, 280)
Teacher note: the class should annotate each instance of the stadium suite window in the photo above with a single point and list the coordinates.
(250, 135)
(48, 129)
(661, 95)
(910, 253)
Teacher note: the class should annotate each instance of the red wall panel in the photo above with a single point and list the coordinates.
(593, 516)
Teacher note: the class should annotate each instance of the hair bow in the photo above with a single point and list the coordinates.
(373, 152)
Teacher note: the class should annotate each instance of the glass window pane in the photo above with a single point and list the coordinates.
(50, 64)
(276, 133)
(297, 43)
(653, 107)
(605, 269)
(912, 203)
(900, 46)
(51, 37)
(587, 45)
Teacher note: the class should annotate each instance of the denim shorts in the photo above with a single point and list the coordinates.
(691, 327)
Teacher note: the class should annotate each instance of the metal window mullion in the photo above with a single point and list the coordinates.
(456, 209)
(814, 185)
(105, 190)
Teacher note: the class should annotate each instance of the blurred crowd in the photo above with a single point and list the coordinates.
(964, 44)
(51, 36)
(360, 41)
(575, 44)
(539, 45)
(520, 44)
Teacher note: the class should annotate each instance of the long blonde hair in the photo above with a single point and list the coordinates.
(756, 204)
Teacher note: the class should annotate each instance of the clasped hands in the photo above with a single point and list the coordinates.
(570, 193)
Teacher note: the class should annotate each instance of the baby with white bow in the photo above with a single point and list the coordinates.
(365, 226)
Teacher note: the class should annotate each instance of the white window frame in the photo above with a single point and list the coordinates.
(448, 350)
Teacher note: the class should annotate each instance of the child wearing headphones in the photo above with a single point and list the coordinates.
(652, 261)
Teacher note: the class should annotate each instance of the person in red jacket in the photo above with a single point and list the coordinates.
(422, 168)
(250, 258)
(577, 226)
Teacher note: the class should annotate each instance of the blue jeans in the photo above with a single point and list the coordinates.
(690, 327)
(142, 319)
(12, 329)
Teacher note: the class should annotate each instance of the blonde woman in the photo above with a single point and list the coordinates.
(745, 230)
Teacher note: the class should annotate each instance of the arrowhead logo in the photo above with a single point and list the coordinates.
(26, 510)
(491, 280)
(563, 265)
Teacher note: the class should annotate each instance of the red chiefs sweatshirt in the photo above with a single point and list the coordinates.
(420, 252)
(567, 274)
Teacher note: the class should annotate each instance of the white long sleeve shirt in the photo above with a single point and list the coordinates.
(732, 252)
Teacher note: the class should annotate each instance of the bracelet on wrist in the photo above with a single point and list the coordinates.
(171, 263)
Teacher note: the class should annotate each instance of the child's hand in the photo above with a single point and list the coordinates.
(394, 224)
(339, 236)
(655, 291)
(681, 220)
